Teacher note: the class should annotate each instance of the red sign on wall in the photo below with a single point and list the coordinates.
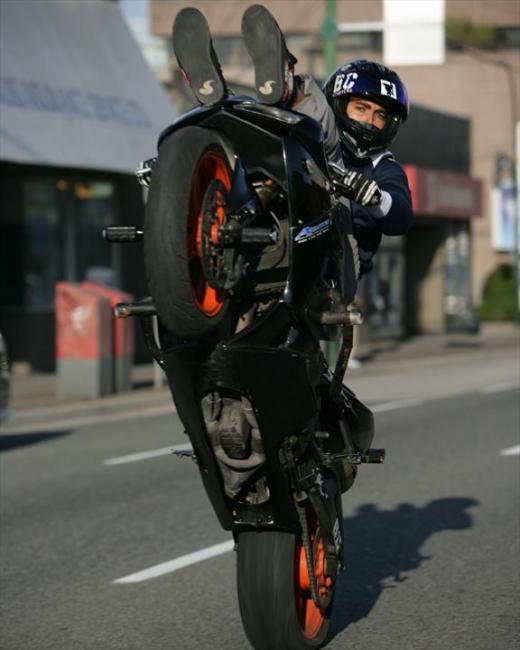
(444, 194)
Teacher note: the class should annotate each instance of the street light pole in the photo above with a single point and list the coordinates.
(516, 152)
(329, 31)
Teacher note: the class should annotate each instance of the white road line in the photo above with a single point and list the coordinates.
(498, 388)
(511, 451)
(144, 455)
(178, 563)
(393, 406)
(164, 451)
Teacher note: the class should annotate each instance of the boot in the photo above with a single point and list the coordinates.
(193, 49)
(273, 63)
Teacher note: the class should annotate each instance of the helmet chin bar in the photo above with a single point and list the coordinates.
(351, 145)
(363, 139)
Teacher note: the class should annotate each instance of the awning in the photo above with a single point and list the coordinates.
(75, 90)
(444, 194)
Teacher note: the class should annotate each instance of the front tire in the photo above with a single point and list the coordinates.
(276, 605)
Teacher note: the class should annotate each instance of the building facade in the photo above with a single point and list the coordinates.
(79, 108)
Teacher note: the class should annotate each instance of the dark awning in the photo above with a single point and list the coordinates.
(75, 90)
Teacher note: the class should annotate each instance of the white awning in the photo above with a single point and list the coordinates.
(75, 90)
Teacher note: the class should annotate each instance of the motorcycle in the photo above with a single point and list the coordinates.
(249, 264)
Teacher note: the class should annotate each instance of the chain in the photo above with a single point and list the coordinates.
(308, 552)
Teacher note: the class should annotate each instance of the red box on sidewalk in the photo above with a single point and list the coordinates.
(122, 349)
(83, 342)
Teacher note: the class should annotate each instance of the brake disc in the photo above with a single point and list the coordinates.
(220, 265)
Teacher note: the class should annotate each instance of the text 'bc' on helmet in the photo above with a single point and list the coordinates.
(377, 83)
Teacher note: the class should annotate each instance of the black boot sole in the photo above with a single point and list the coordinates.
(266, 46)
(193, 49)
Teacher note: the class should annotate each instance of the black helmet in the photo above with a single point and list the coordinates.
(376, 83)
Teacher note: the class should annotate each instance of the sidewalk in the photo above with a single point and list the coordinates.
(491, 337)
(34, 399)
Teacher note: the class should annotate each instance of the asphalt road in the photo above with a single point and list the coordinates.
(433, 535)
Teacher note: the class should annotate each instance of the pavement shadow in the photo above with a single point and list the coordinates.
(381, 545)
(9, 441)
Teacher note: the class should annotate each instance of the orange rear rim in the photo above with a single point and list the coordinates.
(211, 166)
(310, 616)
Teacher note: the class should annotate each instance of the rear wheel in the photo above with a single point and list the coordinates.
(274, 589)
(185, 207)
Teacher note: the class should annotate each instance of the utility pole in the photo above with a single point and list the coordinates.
(516, 153)
(329, 31)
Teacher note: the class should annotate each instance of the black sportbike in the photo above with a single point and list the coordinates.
(250, 264)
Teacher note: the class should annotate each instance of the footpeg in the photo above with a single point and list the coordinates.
(141, 308)
(185, 453)
(374, 456)
(356, 458)
(122, 234)
(342, 317)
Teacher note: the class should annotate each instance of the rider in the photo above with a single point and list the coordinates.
(360, 112)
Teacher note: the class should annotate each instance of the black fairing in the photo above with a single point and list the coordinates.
(260, 362)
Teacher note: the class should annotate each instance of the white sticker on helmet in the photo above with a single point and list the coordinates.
(388, 89)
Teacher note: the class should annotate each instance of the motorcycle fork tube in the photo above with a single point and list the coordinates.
(347, 342)
(326, 513)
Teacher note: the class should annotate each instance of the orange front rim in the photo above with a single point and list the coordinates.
(212, 166)
(310, 616)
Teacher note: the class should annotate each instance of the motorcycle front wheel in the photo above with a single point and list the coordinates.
(192, 166)
(276, 604)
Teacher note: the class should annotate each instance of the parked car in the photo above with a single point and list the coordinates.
(5, 380)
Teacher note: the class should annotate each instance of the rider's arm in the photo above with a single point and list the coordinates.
(394, 212)
(311, 101)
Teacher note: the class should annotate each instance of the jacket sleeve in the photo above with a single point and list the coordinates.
(397, 212)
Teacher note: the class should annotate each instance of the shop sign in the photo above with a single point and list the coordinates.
(444, 194)
(503, 205)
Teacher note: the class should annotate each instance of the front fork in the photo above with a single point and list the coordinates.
(319, 487)
(313, 479)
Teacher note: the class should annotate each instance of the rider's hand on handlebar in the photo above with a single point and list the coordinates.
(359, 188)
(354, 185)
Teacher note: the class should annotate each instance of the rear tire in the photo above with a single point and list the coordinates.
(277, 611)
(189, 161)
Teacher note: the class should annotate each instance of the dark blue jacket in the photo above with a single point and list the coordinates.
(369, 224)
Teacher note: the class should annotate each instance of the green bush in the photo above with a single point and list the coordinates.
(499, 295)
(461, 32)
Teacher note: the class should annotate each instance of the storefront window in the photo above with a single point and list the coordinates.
(457, 301)
(51, 230)
(383, 293)
(93, 211)
(44, 241)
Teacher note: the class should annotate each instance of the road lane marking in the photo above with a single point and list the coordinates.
(165, 451)
(393, 406)
(176, 564)
(498, 388)
(511, 451)
(144, 455)
(71, 421)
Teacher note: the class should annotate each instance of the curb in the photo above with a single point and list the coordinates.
(157, 401)
(130, 403)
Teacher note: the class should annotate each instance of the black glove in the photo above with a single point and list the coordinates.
(359, 188)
